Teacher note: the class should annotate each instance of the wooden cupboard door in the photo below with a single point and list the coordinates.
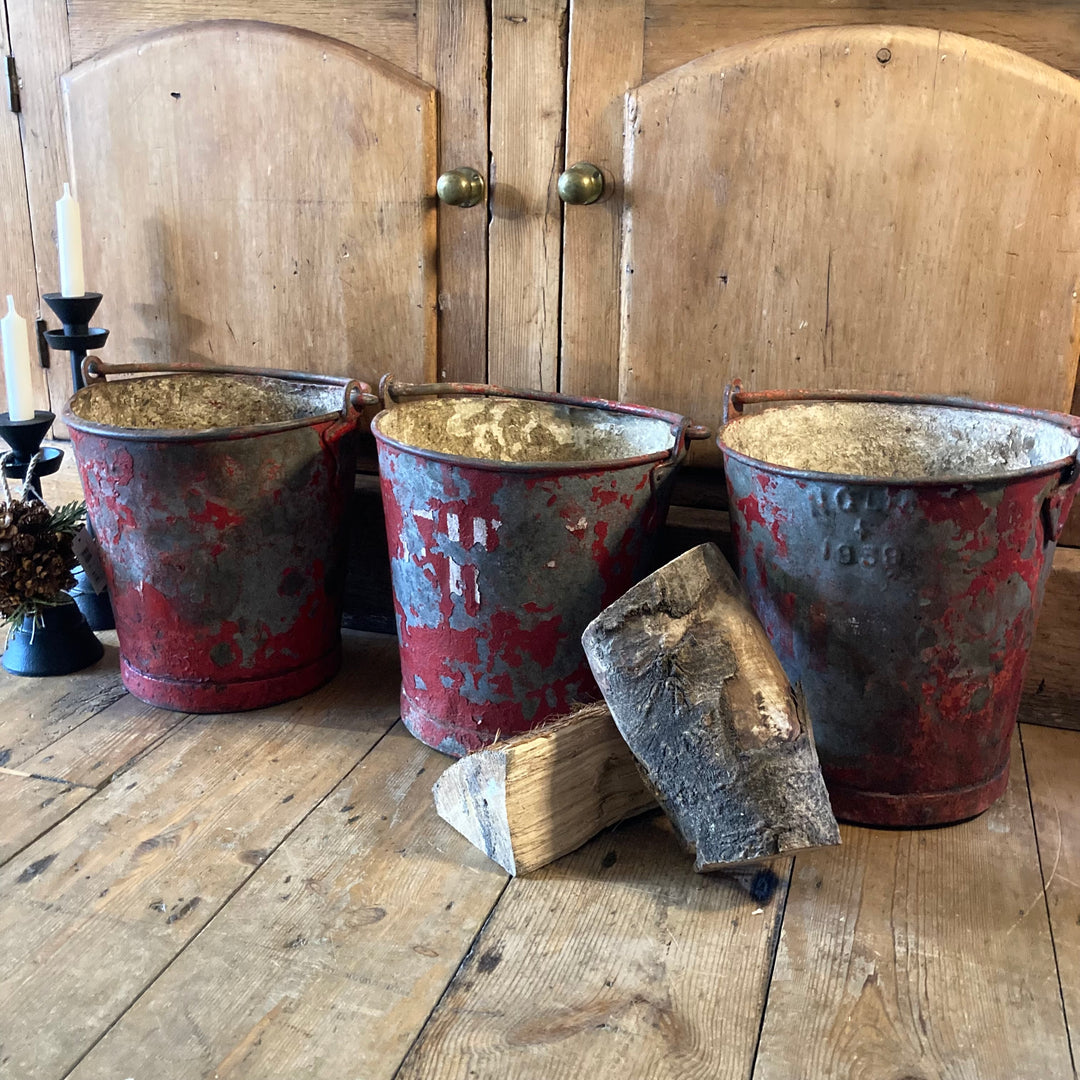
(654, 342)
(256, 194)
(17, 249)
(874, 207)
(446, 45)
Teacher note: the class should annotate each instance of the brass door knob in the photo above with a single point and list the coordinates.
(581, 184)
(460, 187)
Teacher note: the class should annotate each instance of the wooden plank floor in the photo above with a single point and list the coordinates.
(271, 894)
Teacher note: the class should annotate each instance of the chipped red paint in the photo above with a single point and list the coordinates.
(498, 568)
(907, 612)
(224, 553)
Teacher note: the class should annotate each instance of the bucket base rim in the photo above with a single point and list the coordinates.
(182, 695)
(433, 732)
(916, 810)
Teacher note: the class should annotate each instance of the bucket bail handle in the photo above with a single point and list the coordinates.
(684, 433)
(357, 394)
(1055, 507)
(393, 390)
(736, 399)
(733, 401)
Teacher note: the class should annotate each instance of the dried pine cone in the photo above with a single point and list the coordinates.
(35, 555)
(8, 529)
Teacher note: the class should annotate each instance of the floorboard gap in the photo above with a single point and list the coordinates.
(1046, 900)
(47, 779)
(453, 978)
(772, 967)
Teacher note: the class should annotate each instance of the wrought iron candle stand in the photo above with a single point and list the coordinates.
(24, 437)
(78, 337)
(58, 641)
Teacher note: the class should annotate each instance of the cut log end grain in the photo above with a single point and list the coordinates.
(702, 701)
(541, 795)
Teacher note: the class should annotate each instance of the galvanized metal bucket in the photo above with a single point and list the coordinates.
(513, 518)
(218, 498)
(896, 548)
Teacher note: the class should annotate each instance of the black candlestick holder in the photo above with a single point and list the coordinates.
(78, 337)
(24, 437)
(58, 640)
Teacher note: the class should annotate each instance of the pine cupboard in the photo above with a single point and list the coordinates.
(258, 192)
(858, 206)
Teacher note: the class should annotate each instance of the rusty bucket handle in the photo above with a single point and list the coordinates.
(684, 429)
(1055, 507)
(686, 433)
(391, 391)
(357, 394)
(736, 398)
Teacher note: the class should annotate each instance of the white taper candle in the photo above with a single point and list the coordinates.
(17, 377)
(69, 241)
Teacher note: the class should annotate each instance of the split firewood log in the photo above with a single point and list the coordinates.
(527, 801)
(702, 701)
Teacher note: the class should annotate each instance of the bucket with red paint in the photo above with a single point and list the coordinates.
(513, 518)
(896, 549)
(218, 498)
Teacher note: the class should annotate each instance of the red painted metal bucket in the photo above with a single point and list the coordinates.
(223, 545)
(513, 518)
(896, 549)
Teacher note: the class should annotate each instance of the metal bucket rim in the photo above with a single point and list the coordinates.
(677, 422)
(948, 481)
(1060, 420)
(110, 431)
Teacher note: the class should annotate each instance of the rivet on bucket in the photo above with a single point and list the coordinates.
(513, 518)
(896, 549)
(218, 499)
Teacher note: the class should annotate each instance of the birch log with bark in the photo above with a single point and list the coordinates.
(702, 701)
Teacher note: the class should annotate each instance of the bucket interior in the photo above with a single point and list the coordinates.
(199, 402)
(898, 441)
(519, 430)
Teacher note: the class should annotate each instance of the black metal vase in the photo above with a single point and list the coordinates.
(60, 643)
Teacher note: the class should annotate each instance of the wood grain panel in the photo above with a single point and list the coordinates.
(357, 922)
(1053, 764)
(34, 713)
(107, 898)
(386, 28)
(453, 50)
(868, 207)
(1052, 682)
(30, 807)
(528, 92)
(1070, 535)
(46, 788)
(677, 31)
(39, 39)
(617, 961)
(258, 195)
(17, 267)
(915, 953)
(604, 62)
